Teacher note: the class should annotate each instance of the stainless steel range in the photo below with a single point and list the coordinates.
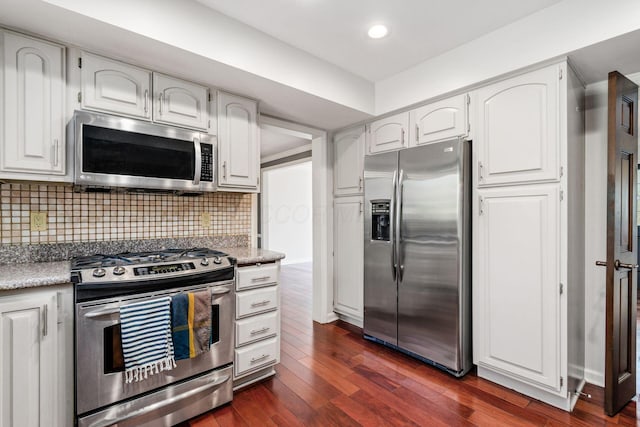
(105, 283)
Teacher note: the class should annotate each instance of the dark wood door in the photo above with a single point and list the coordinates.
(620, 372)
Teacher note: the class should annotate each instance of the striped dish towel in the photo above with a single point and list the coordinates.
(146, 338)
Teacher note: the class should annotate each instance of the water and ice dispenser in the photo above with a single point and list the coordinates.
(380, 220)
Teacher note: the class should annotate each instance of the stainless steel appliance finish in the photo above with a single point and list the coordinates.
(417, 290)
(168, 406)
(103, 285)
(141, 155)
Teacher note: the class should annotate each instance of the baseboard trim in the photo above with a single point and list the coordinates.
(594, 377)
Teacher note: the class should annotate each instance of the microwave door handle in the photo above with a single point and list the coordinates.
(198, 172)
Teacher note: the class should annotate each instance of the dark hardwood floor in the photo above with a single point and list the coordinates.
(330, 376)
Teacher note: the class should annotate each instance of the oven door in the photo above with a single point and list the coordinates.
(99, 362)
(119, 152)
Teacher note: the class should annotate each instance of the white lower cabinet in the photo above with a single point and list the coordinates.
(257, 324)
(518, 301)
(36, 342)
(348, 259)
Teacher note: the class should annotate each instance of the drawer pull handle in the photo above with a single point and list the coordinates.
(259, 359)
(260, 331)
(260, 279)
(260, 303)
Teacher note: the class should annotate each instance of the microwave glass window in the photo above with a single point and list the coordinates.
(113, 151)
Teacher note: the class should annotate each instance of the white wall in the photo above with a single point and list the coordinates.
(596, 227)
(288, 212)
(557, 30)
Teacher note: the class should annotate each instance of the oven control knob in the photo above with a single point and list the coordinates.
(204, 262)
(99, 272)
(217, 260)
(119, 270)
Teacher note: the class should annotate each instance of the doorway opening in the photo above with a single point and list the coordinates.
(285, 205)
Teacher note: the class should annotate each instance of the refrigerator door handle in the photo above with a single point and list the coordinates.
(394, 262)
(398, 228)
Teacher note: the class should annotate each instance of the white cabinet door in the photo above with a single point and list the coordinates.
(33, 137)
(181, 103)
(517, 309)
(348, 259)
(28, 362)
(115, 87)
(348, 164)
(238, 146)
(518, 134)
(439, 121)
(388, 134)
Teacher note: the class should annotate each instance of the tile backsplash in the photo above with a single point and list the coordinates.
(90, 217)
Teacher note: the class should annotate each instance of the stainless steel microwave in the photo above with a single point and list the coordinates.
(115, 151)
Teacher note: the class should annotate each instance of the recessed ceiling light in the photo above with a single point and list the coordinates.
(378, 31)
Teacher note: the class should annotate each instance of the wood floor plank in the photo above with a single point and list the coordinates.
(290, 400)
(416, 414)
(330, 375)
(300, 388)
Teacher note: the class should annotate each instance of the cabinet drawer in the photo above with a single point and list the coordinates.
(257, 276)
(256, 301)
(256, 356)
(256, 328)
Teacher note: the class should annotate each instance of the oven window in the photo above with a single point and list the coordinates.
(112, 151)
(113, 357)
(215, 324)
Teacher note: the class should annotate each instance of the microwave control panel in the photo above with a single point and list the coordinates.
(207, 162)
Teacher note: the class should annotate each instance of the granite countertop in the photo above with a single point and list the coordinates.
(31, 275)
(35, 274)
(252, 255)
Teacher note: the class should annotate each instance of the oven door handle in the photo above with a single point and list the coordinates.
(103, 312)
(220, 291)
(160, 405)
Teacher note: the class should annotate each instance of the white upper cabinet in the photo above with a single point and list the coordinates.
(32, 105)
(517, 307)
(348, 165)
(518, 129)
(439, 121)
(238, 144)
(177, 102)
(390, 133)
(115, 87)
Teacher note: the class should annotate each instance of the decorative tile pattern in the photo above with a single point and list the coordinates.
(95, 217)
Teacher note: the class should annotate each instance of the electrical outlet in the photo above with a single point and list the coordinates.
(205, 220)
(38, 221)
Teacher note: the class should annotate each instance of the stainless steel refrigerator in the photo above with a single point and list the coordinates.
(417, 295)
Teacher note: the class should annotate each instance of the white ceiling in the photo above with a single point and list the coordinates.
(273, 142)
(336, 30)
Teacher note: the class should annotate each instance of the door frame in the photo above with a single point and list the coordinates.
(322, 187)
